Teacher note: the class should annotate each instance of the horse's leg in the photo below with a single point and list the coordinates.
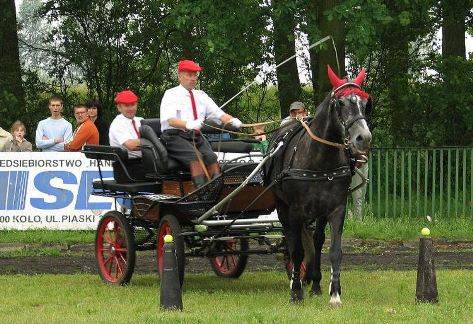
(296, 252)
(336, 220)
(319, 239)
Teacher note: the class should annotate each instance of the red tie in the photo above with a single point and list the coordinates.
(194, 108)
(136, 129)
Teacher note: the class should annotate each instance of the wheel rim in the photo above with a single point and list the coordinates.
(112, 250)
(164, 230)
(227, 264)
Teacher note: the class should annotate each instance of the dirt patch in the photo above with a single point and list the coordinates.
(358, 254)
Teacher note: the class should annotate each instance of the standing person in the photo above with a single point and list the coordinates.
(358, 196)
(85, 133)
(52, 132)
(124, 132)
(18, 143)
(4, 137)
(183, 110)
(94, 107)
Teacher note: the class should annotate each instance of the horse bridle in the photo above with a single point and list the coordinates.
(351, 121)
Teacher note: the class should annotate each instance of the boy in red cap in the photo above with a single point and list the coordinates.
(124, 132)
(183, 110)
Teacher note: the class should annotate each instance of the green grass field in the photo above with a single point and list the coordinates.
(378, 296)
(369, 228)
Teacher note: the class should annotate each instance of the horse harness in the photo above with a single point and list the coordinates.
(289, 173)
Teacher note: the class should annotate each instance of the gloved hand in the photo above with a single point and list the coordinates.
(194, 124)
(236, 123)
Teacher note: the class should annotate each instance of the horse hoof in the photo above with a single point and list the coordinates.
(297, 296)
(335, 301)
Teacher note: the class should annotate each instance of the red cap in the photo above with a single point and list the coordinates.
(188, 65)
(126, 97)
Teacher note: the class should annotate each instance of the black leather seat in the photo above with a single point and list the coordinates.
(132, 188)
(155, 157)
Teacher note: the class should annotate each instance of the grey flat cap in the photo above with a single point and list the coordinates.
(296, 105)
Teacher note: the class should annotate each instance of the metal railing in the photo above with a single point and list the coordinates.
(411, 182)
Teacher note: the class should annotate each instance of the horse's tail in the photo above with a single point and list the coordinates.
(308, 244)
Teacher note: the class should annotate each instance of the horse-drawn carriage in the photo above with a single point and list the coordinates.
(166, 202)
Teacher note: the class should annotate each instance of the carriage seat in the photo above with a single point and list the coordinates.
(155, 157)
(131, 188)
(119, 157)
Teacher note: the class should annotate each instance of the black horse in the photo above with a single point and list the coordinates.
(311, 178)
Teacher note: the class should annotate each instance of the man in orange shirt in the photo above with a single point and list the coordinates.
(85, 133)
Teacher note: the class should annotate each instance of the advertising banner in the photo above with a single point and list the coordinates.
(53, 190)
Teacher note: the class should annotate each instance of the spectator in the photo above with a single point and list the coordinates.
(85, 133)
(4, 138)
(18, 143)
(94, 107)
(297, 109)
(55, 130)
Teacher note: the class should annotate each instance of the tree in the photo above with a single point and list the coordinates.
(11, 88)
(454, 13)
(329, 23)
(289, 86)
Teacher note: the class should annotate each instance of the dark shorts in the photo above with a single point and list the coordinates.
(180, 146)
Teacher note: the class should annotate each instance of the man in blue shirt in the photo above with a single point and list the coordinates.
(52, 132)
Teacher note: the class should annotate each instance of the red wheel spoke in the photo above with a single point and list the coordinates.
(110, 266)
(107, 237)
(233, 260)
(121, 256)
(119, 268)
(120, 249)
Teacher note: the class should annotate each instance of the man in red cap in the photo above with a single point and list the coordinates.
(124, 132)
(183, 110)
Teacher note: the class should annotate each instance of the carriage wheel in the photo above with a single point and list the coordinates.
(230, 265)
(115, 249)
(170, 225)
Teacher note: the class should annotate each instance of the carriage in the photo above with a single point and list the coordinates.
(166, 202)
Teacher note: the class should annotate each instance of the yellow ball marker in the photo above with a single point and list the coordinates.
(168, 238)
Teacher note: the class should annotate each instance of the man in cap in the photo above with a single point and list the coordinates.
(297, 109)
(124, 132)
(183, 110)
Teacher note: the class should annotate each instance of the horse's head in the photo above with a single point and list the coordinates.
(351, 104)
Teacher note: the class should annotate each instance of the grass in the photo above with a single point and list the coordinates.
(254, 298)
(42, 236)
(387, 229)
(29, 252)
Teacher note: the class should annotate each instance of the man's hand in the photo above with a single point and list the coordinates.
(45, 138)
(194, 124)
(58, 140)
(236, 122)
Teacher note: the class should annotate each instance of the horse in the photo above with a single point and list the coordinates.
(310, 178)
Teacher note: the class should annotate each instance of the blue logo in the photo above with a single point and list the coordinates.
(14, 188)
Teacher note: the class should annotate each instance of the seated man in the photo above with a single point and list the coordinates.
(85, 133)
(183, 110)
(297, 109)
(124, 132)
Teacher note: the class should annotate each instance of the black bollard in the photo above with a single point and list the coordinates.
(426, 289)
(171, 293)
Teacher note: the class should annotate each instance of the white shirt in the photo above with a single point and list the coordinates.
(121, 130)
(176, 103)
